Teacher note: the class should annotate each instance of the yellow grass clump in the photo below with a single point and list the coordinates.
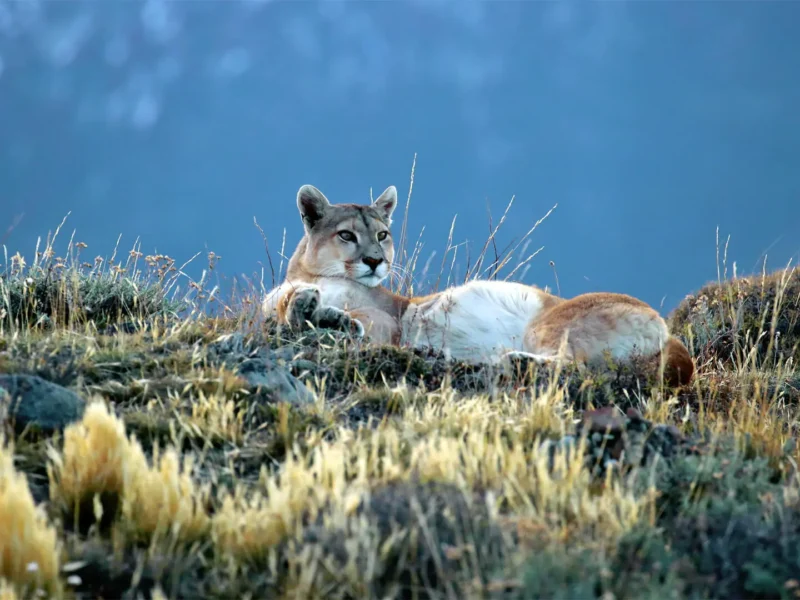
(163, 499)
(215, 418)
(247, 528)
(92, 463)
(6, 591)
(99, 461)
(29, 550)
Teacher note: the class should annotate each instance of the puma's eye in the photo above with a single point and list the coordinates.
(382, 235)
(347, 236)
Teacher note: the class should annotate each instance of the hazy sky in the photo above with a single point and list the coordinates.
(650, 124)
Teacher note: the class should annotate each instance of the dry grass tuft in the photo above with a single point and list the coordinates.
(6, 591)
(103, 471)
(163, 501)
(29, 546)
(215, 417)
(88, 476)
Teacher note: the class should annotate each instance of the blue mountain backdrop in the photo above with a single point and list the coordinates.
(649, 124)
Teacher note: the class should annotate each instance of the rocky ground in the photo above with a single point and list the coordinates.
(151, 455)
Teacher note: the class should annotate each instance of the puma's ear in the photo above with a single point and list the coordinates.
(386, 203)
(312, 205)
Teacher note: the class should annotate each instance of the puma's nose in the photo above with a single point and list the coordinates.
(372, 263)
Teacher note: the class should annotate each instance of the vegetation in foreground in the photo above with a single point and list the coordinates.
(152, 451)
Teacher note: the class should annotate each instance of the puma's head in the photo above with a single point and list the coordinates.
(346, 240)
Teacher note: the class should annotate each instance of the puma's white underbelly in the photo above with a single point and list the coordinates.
(477, 321)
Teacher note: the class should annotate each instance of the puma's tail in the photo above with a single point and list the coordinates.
(678, 364)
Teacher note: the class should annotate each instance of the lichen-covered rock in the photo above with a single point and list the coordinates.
(30, 401)
(724, 321)
(267, 371)
(267, 376)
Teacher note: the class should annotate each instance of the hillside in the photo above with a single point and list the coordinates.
(157, 456)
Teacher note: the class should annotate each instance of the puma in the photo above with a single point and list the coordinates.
(334, 280)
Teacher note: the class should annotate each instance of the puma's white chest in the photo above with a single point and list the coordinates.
(479, 320)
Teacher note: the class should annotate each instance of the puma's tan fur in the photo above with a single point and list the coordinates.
(333, 279)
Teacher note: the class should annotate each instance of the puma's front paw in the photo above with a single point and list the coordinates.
(329, 317)
(302, 306)
(539, 359)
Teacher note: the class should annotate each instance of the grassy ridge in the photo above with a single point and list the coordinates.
(220, 456)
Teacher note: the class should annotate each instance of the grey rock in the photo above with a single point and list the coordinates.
(268, 377)
(285, 353)
(267, 371)
(231, 343)
(303, 364)
(29, 400)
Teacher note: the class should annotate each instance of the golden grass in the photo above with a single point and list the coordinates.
(94, 461)
(215, 417)
(101, 467)
(7, 591)
(29, 545)
(474, 444)
(163, 500)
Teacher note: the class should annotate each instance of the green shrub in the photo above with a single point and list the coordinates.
(724, 321)
(43, 298)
